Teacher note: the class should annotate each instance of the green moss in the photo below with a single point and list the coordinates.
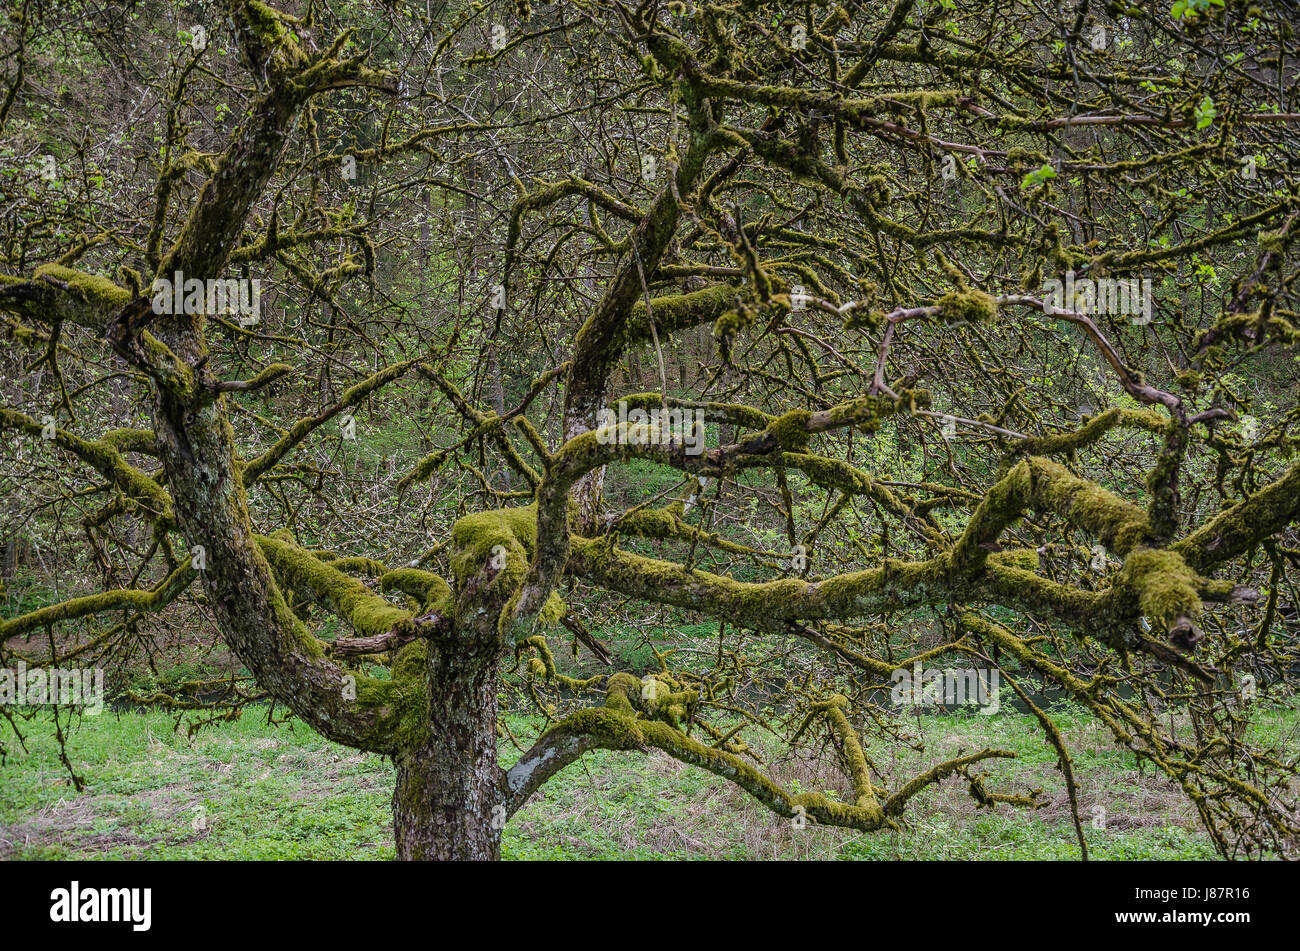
(728, 325)
(424, 469)
(357, 565)
(866, 319)
(651, 523)
(368, 613)
(1165, 586)
(431, 591)
(480, 537)
(1119, 525)
(967, 307)
(402, 701)
(89, 287)
(552, 610)
(791, 430)
(266, 23)
(1026, 559)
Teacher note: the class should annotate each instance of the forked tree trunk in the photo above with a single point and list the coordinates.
(448, 803)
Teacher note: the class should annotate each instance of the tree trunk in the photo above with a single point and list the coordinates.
(448, 802)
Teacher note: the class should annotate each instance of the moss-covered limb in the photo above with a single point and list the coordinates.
(667, 523)
(765, 606)
(392, 639)
(674, 313)
(965, 571)
(837, 474)
(102, 456)
(896, 803)
(616, 727)
(853, 112)
(300, 570)
(1092, 431)
(98, 292)
(349, 564)
(547, 195)
(56, 295)
(735, 413)
(119, 599)
(557, 748)
(1110, 616)
(1244, 525)
(1163, 480)
(779, 443)
(1004, 503)
(1117, 524)
(276, 239)
(268, 375)
(427, 588)
(131, 440)
(779, 606)
(854, 757)
(1088, 613)
(352, 396)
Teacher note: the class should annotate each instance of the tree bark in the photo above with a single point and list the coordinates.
(447, 804)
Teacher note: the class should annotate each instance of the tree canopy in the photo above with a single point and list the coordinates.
(390, 346)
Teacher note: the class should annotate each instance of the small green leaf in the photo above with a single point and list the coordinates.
(1205, 113)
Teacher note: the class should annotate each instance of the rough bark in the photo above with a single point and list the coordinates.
(447, 801)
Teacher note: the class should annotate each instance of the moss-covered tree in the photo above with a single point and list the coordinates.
(482, 213)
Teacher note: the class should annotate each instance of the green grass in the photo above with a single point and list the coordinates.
(252, 790)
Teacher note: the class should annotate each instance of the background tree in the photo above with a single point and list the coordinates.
(826, 228)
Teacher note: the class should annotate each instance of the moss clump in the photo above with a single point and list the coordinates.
(866, 319)
(552, 610)
(357, 565)
(791, 430)
(266, 23)
(652, 523)
(728, 325)
(967, 307)
(1026, 559)
(500, 539)
(1166, 588)
(402, 702)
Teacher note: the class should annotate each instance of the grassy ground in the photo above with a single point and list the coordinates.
(250, 790)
